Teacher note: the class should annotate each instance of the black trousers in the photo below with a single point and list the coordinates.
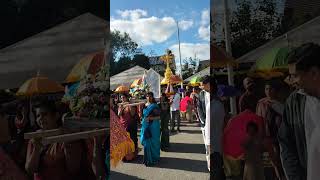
(216, 166)
(133, 131)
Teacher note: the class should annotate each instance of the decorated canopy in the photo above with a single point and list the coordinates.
(90, 64)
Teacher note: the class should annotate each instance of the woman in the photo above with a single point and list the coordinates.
(129, 119)
(150, 131)
(165, 117)
(61, 161)
(8, 167)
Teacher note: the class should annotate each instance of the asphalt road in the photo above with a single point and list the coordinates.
(185, 160)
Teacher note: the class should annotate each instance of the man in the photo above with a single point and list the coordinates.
(214, 132)
(204, 115)
(175, 110)
(249, 97)
(270, 109)
(300, 126)
(195, 97)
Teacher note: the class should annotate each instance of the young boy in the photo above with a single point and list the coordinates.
(253, 169)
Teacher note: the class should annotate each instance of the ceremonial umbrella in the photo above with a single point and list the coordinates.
(90, 64)
(273, 64)
(122, 89)
(39, 85)
(219, 58)
(195, 81)
(174, 79)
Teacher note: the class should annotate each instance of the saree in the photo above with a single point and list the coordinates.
(120, 141)
(151, 145)
(8, 169)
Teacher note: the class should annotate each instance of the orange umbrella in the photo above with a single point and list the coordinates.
(39, 85)
(122, 89)
(136, 83)
(90, 64)
(219, 58)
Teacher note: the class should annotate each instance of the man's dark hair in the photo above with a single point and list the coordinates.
(305, 56)
(252, 125)
(205, 79)
(188, 93)
(273, 85)
(49, 106)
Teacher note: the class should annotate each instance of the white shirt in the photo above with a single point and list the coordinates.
(312, 130)
(207, 125)
(175, 106)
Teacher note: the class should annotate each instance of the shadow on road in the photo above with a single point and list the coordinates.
(117, 175)
(187, 148)
(177, 163)
(192, 131)
(183, 164)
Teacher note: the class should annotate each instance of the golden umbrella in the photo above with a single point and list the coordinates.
(219, 58)
(174, 79)
(90, 64)
(122, 89)
(39, 85)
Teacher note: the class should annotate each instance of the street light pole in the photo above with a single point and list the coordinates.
(180, 56)
(233, 106)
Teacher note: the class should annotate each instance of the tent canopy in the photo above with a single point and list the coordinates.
(127, 77)
(54, 51)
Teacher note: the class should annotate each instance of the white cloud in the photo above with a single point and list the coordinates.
(204, 33)
(201, 50)
(205, 17)
(204, 29)
(185, 25)
(146, 31)
(132, 14)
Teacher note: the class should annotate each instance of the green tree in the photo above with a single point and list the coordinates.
(253, 24)
(122, 46)
(141, 60)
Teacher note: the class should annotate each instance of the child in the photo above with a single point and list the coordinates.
(253, 147)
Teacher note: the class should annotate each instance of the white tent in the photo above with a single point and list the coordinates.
(54, 52)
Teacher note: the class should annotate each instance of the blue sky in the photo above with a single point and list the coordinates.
(152, 24)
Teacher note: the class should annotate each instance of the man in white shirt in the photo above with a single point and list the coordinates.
(175, 110)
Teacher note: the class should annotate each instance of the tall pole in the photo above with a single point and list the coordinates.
(233, 105)
(180, 57)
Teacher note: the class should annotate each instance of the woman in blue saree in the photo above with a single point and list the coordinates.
(150, 131)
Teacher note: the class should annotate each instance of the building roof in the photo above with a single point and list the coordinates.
(308, 32)
(54, 52)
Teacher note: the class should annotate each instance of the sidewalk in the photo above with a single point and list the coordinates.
(185, 160)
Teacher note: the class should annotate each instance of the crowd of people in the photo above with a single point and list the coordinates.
(286, 131)
(160, 118)
(23, 159)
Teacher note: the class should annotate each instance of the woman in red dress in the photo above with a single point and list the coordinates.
(61, 161)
